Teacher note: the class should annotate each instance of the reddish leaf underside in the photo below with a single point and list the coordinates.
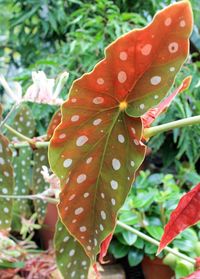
(186, 214)
(6, 183)
(96, 149)
(153, 113)
(70, 255)
(194, 275)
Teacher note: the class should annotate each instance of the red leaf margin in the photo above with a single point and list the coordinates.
(186, 214)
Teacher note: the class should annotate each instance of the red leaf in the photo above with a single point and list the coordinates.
(186, 214)
(194, 275)
(104, 247)
(97, 148)
(153, 113)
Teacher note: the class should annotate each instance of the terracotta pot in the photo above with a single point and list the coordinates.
(155, 269)
(48, 228)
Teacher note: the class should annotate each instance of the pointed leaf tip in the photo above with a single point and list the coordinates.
(186, 214)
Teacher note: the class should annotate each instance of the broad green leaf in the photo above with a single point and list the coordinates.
(39, 185)
(155, 231)
(118, 250)
(129, 237)
(6, 183)
(71, 258)
(97, 148)
(135, 257)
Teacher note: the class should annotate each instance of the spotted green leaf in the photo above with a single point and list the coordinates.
(70, 255)
(22, 172)
(6, 183)
(97, 148)
(23, 123)
(39, 185)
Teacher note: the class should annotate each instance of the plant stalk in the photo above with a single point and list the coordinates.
(149, 132)
(21, 136)
(31, 197)
(155, 242)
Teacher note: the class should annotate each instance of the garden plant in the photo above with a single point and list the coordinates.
(87, 160)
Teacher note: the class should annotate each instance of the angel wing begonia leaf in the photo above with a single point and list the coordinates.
(186, 214)
(70, 255)
(6, 183)
(153, 113)
(97, 148)
(23, 123)
(39, 185)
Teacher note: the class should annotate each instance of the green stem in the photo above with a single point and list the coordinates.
(25, 144)
(154, 242)
(31, 197)
(149, 132)
(19, 135)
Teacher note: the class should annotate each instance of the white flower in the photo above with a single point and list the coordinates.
(43, 90)
(53, 180)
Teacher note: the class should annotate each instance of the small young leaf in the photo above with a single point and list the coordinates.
(186, 214)
(39, 185)
(6, 183)
(70, 255)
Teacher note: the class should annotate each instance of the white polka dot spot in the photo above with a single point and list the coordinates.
(172, 69)
(123, 55)
(75, 118)
(98, 100)
(67, 163)
(78, 211)
(81, 178)
(101, 227)
(6, 210)
(6, 173)
(155, 80)
(100, 81)
(173, 47)
(116, 164)
(182, 23)
(136, 142)
(114, 184)
(102, 195)
(72, 197)
(121, 138)
(71, 253)
(83, 229)
(103, 215)
(146, 50)
(66, 239)
(142, 106)
(122, 77)
(81, 140)
(62, 136)
(156, 97)
(74, 100)
(85, 195)
(4, 190)
(113, 201)
(97, 121)
(168, 21)
(132, 163)
(89, 160)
